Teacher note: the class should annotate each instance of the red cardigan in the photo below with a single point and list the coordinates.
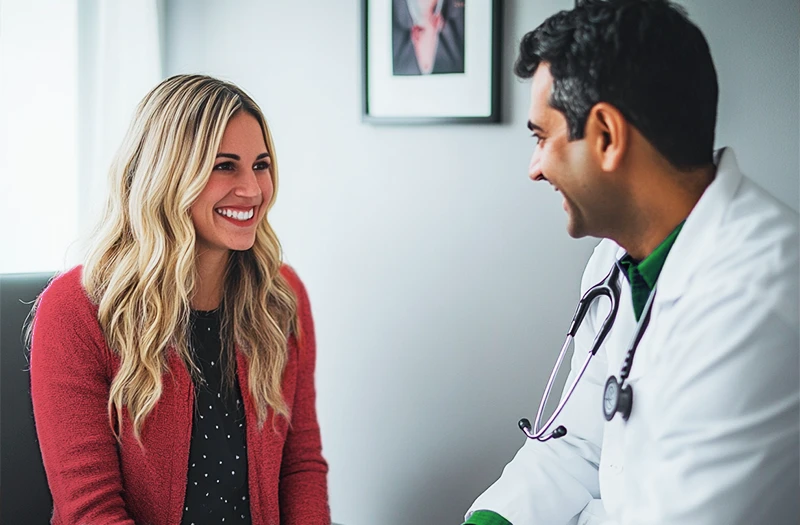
(93, 480)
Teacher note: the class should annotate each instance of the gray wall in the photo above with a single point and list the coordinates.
(441, 278)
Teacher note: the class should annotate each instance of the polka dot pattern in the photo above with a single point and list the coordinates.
(217, 489)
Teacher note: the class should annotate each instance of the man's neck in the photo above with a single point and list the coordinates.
(662, 202)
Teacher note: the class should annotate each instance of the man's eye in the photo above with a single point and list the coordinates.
(224, 166)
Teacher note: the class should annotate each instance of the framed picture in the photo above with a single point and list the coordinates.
(431, 61)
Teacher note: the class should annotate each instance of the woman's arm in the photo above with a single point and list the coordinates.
(304, 485)
(70, 378)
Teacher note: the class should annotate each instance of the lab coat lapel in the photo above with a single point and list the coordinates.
(699, 233)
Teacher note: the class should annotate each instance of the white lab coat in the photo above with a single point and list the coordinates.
(714, 435)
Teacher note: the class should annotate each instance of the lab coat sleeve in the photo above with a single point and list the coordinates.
(551, 482)
(727, 436)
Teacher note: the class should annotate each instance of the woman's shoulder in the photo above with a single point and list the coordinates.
(304, 316)
(65, 321)
(65, 298)
(289, 273)
(66, 289)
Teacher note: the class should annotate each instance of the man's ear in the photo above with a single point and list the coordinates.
(608, 134)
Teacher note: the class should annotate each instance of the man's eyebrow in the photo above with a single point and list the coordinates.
(534, 127)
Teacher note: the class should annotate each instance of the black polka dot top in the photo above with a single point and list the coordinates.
(217, 489)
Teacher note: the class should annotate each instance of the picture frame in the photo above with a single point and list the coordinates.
(431, 61)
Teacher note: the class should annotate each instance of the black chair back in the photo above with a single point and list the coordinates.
(24, 495)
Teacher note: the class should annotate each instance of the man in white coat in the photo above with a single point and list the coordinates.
(623, 111)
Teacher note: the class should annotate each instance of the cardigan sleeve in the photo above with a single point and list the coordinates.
(303, 478)
(70, 378)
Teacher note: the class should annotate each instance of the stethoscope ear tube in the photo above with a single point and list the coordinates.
(617, 396)
(525, 426)
(608, 287)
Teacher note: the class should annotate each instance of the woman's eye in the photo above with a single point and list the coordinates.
(262, 166)
(224, 166)
(539, 139)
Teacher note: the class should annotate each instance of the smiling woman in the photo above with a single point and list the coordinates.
(238, 191)
(180, 357)
(234, 201)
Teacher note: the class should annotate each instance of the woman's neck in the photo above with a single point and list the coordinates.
(210, 279)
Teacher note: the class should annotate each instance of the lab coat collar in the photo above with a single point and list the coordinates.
(699, 232)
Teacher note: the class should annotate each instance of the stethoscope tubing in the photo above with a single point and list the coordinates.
(608, 287)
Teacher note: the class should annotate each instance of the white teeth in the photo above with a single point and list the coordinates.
(238, 215)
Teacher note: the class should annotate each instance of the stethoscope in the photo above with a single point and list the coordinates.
(617, 396)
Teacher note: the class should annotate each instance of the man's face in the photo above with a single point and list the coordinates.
(567, 166)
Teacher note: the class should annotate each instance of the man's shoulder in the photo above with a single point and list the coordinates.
(754, 253)
(751, 200)
(753, 219)
(758, 237)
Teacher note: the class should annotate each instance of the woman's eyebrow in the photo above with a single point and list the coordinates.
(237, 157)
(229, 156)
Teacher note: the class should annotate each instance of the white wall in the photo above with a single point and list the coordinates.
(38, 116)
(441, 278)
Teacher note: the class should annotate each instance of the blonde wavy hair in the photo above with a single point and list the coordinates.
(140, 268)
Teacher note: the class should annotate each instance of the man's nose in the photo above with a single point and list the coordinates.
(535, 166)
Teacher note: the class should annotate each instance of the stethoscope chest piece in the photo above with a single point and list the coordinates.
(617, 397)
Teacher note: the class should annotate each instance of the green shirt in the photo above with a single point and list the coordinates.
(642, 276)
(486, 517)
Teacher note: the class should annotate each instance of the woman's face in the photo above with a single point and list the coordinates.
(236, 197)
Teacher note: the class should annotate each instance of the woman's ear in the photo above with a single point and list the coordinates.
(608, 134)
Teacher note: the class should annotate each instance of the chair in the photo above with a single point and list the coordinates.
(23, 485)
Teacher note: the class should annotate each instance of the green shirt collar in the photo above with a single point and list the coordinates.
(650, 268)
(643, 275)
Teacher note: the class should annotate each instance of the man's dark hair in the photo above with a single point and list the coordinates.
(643, 57)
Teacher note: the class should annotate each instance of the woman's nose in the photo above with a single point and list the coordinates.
(247, 184)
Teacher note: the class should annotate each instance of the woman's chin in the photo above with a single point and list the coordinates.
(241, 246)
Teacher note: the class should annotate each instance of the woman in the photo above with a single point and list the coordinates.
(172, 375)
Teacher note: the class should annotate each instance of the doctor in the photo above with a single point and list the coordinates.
(623, 111)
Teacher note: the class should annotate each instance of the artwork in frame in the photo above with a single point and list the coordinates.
(431, 61)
